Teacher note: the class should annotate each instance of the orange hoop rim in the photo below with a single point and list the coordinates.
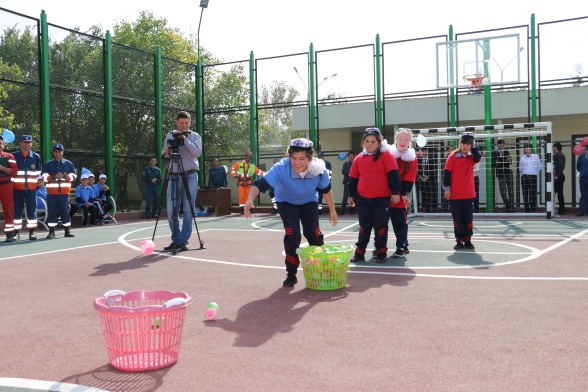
(474, 80)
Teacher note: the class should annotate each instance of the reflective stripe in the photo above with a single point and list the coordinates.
(51, 185)
(51, 224)
(31, 225)
(11, 161)
(18, 180)
(20, 173)
(66, 224)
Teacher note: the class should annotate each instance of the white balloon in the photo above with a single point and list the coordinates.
(421, 140)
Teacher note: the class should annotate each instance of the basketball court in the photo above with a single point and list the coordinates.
(509, 315)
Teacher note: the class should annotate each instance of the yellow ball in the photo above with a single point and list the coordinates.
(318, 250)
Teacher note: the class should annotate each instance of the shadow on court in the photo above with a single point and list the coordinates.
(469, 258)
(258, 321)
(117, 268)
(111, 379)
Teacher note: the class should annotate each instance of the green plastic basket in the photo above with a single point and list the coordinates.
(326, 270)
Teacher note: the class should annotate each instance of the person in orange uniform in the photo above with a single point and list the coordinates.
(8, 170)
(25, 186)
(244, 171)
(58, 173)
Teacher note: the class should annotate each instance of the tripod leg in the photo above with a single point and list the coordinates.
(162, 198)
(191, 202)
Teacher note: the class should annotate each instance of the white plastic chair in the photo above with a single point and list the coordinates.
(43, 212)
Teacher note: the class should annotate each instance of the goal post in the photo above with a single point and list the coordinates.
(509, 180)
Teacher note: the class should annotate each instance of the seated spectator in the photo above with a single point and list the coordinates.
(101, 199)
(83, 196)
(41, 193)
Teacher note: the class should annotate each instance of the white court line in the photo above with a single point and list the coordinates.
(53, 386)
(475, 226)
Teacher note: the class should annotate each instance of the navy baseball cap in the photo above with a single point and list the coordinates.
(57, 147)
(26, 138)
(321, 154)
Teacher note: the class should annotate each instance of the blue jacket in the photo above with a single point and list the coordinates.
(84, 194)
(29, 169)
(99, 192)
(217, 177)
(59, 187)
(582, 165)
(149, 173)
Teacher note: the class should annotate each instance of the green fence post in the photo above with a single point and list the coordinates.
(452, 116)
(200, 115)
(379, 103)
(108, 106)
(311, 92)
(46, 108)
(488, 121)
(252, 110)
(533, 80)
(158, 109)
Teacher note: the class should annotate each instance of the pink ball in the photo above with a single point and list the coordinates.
(584, 141)
(147, 247)
(578, 149)
(210, 313)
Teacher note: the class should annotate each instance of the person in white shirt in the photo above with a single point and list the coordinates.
(529, 167)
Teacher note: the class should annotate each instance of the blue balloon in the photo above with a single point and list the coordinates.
(342, 156)
(86, 171)
(8, 136)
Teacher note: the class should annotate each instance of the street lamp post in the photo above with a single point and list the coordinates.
(200, 119)
(304, 84)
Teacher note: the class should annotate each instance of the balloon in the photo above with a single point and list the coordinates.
(421, 140)
(419, 154)
(584, 141)
(86, 171)
(342, 156)
(147, 247)
(8, 136)
(578, 149)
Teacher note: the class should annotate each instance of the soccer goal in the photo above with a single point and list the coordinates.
(513, 178)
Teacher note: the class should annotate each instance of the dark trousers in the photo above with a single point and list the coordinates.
(584, 194)
(505, 186)
(58, 205)
(292, 216)
(28, 197)
(477, 198)
(151, 196)
(558, 189)
(85, 210)
(372, 213)
(345, 197)
(400, 226)
(462, 211)
(529, 184)
(429, 194)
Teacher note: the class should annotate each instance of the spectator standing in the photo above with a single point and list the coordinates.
(244, 171)
(559, 165)
(152, 179)
(58, 173)
(529, 167)
(8, 170)
(217, 176)
(321, 155)
(582, 168)
(501, 161)
(189, 154)
(25, 186)
(345, 171)
(444, 202)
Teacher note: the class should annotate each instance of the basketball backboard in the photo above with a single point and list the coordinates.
(495, 59)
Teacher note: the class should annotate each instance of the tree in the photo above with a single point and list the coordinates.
(7, 118)
(579, 78)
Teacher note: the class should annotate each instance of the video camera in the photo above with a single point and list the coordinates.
(176, 142)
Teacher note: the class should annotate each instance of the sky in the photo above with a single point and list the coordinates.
(231, 29)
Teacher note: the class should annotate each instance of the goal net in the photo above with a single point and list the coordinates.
(514, 176)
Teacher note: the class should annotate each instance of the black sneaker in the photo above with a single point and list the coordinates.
(400, 252)
(580, 214)
(381, 258)
(169, 247)
(469, 245)
(357, 257)
(406, 251)
(459, 245)
(183, 248)
(352, 210)
(290, 281)
(341, 213)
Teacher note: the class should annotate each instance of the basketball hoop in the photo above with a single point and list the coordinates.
(474, 81)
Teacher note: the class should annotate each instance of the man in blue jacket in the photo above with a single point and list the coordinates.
(582, 167)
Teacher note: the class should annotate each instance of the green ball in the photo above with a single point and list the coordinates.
(213, 305)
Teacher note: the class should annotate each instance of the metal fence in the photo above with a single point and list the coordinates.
(259, 104)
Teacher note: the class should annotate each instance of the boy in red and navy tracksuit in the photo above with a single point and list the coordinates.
(458, 182)
(373, 179)
(407, 166)
(8, 170)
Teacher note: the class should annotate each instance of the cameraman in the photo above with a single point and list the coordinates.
(190, 148)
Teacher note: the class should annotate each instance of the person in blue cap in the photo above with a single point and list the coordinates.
(296, 181)
(58, 174)
(25, 186)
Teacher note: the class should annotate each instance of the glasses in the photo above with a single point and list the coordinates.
(373, 130)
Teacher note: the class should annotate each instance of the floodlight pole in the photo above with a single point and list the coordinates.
(488, 141)
(199, 89)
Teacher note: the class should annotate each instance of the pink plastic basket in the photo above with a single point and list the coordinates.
(142, 329)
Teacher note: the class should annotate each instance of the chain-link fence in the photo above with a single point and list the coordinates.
(329, 95)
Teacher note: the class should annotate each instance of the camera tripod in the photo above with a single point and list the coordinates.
(180, 175)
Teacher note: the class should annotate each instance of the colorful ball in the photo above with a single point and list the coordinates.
(578, 149)
(147, 247)
(211, 313)
(342, 156)
(317, 250)
(213, 305)
(584, 141)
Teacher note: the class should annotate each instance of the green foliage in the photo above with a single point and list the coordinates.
(8, 72)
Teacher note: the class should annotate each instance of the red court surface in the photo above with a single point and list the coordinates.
(509, 316)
